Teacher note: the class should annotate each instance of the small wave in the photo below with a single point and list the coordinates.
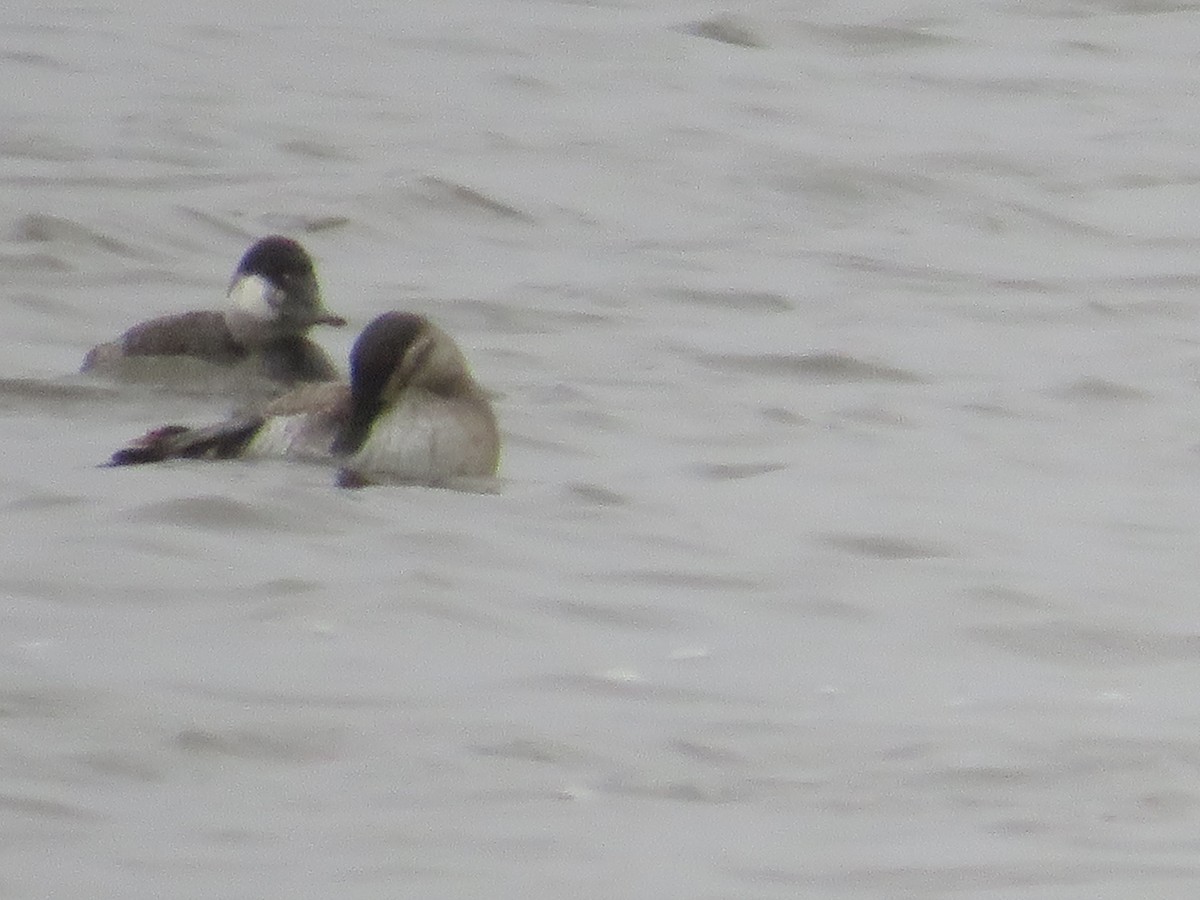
(37, 61)
(737, 471)
(288, 744)
(1088, 645)
(710, 791)
(727, 29)
(882, 546)
(531, 750)
(679, 578)
(597, 495)
(1087, 390)
(638, 617)
(22, 393)
(818, 367)
(732, 299)
(40, 148)
(874, 38)
(1045, 877)
(222, 514)
(42, 808)
(452, 196)
(27, 263)
(40, 228)
(313, 149)
(623, 684)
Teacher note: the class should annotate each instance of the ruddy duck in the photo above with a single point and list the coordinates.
(412, 412)
(274, 300)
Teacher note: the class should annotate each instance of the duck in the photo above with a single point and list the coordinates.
(273, 301)
(411, 412)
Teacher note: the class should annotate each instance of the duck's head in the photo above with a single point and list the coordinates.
(395, 353)
(274, 293)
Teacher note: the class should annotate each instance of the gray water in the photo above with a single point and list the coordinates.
(845, 546)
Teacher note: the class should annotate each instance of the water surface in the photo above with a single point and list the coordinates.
(846, 361)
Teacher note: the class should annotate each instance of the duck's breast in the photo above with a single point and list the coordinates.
(429, 438)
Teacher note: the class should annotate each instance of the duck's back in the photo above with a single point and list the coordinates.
(202, 334)
(197, 353)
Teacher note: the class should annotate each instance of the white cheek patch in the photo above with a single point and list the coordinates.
(255, 296)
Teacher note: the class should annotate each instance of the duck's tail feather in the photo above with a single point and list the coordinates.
(181, 442)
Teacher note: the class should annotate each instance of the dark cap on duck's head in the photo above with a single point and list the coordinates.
(286, 266)
(378, 355)
(275, 257)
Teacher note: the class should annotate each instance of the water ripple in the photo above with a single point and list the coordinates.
(1072, 643)
(826, 368)
(452, 196)
(286, 744)
(223, 514)
(882, 546)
